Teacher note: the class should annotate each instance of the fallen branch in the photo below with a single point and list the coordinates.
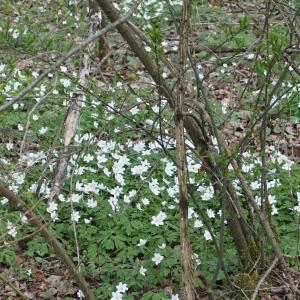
(60, 252)
(263, 278)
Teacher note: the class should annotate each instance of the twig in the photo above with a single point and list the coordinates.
(263, 278)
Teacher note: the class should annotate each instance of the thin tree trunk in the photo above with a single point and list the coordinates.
(187, 272)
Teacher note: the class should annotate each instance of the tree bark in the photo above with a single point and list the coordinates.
(187, 272)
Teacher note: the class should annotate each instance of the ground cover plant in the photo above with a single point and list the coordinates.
(149, 149)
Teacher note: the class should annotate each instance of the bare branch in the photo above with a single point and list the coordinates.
(263, 278)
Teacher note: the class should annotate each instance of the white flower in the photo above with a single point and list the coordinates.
(127, 199)
(198, 223)
(2, 67)
(172, 191)
(113, 201)
(20, 127)
(154, 187)
(140, 169)
(255, 185)
(29, 272)
(101, 159)
(91, 203)
(207, 235)
(139, 147)
(116, 296)
(75, 198)
(122, 288)
(155, 109)
(43, 130)
(93, 187)
(88, 158)
(141, 243)
(64, 69)
(134, 110)
(247, 168)
(4, 201)
(210, 213)
(162, 246)
(273, 183)
(296, 208)
(157, 258)
(66, 82)
(9, 146)
(175, 297)
(143, 271)
(207, 192)
(75, 216)
(80, 294)
(87, 221)
(15, 34)
(117, 191)
(190, 212)
(250, 55)
(170, 168)
(196, 258)
(35, 74)
(274, 210)
(11, 229)
(193, 167)
(35, 117)
(272, 199)
(52, 206)
(24, 219)
(159, 219)
(145, 201)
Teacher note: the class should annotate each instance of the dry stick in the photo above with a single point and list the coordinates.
(54, 66)
(263, 278)
(187, 273)
(265, 204)
(71, 125)
(60, 252)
